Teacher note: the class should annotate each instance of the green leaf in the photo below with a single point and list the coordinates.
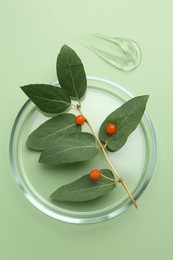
(126, 117)
(71, 73)
(84, 188)
(76, 147)
(48, 98)
(53, 128)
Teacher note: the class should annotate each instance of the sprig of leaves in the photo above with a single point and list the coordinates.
(60, 139)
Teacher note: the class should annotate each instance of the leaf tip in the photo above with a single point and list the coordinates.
(40, 160)
(65, 47)
(51, 196)
(22, 87)
(146, 97)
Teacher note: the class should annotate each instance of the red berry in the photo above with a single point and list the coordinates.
(80, 120)
(95, 174)
(111, 128)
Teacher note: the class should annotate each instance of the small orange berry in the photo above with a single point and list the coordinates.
(111, 128)
(80, 119)
(95, 174)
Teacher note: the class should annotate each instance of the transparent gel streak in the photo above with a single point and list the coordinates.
(124, 54)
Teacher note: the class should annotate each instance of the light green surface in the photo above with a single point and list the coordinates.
(32, 33)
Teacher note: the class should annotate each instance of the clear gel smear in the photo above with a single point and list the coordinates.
(124, 54)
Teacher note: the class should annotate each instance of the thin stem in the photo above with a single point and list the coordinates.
(73, 105)
(115, 181)
(107, 158)
(130, 195)
(107, 141)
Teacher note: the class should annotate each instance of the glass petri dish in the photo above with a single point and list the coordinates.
(135, 161)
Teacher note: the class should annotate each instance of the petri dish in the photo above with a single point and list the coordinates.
(135, 161)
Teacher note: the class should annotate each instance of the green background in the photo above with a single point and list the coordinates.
(32, 33)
